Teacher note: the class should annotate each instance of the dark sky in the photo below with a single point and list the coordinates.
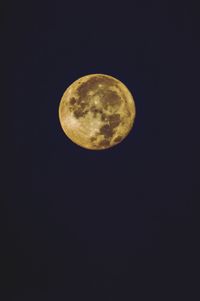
(109, 225)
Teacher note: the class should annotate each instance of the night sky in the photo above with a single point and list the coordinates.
(108, 225)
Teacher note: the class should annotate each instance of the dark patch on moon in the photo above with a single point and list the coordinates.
(72, 101)
(118, 139)
(92, 139)
(107, 97)
(110, 98)
(106, 81)
(104, 117)
(89, 85)
(79, 113)
(96, 111)
(78, 107)
(106, 130)
(92, 84)
(104, 143)
(114, 120)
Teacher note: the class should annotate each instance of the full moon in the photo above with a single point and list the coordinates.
(97, 111)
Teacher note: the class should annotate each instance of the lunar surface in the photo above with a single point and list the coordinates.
(97, 111)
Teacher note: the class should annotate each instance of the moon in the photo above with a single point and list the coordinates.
(97, 111)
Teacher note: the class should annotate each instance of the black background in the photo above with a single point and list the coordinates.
(114, 224)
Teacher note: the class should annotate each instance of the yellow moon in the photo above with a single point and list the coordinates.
(97, 111)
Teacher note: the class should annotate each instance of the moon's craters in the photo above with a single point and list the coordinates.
(102, 109)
